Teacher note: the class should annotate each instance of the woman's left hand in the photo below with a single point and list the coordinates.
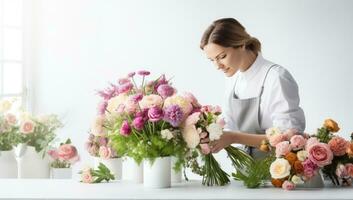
(223, 142)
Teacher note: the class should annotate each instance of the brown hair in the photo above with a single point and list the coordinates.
(228, 32)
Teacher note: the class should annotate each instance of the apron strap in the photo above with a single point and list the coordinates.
(263, 82)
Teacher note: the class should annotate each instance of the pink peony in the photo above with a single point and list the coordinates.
(155, 114)
(27, 127)
(282, 148)
(105, 152)
(275, 139)
(68, 152)
(205, 149)
(338, 146)
(138, 123)
(349, 168)
(288, 185)
(320, 154)
(297, 142)
(125, 129)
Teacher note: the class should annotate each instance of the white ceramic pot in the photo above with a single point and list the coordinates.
(113, 164)
(61, 173)
(31, 163)
(8, 164)
(175, 176)
(132, 171)
(158, 173)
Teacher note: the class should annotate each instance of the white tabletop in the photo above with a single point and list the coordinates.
(71, 189)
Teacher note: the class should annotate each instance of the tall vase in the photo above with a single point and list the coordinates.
(31, 164)
(132, 171)
(8, 164)
(158, 173)
(113, 164)
(176, 176)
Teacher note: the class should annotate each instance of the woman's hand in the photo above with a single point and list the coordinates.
(223, 142)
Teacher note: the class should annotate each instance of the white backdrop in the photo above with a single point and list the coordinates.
(81, 45)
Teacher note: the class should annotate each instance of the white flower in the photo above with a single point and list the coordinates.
(297, 180)
(5, 105)
(150, 101)
(280, 168)
(302, 155)
(166, 134)
(97, 128)
(215, 131)
(272, 131)
(114, 102)
(191, 136)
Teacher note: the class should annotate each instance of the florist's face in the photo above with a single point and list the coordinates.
(227, 59)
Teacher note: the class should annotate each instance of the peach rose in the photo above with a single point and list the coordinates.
(27, 127)
(282, 148)
(68, 152)
(338, 145)
(297, 142)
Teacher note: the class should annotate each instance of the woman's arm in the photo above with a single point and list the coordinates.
(228, 138)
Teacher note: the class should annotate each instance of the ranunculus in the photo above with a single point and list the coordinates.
(205, 149)
(288, 185)
(105, 152)
(302, 155)
(68, 152)
(125, 129)
(165, 90)
(297, 142)
(349, 168)
(338, 145)
(167, 134)
(27, 126)
(192, 119)
(155, 114)
(11, 119)
(137, 97)
(341, 171)
(298, 167)
(191, 136)
(275, 139)
(215, 131)
(277, 182)
(272, 131)
(280, 168)
(143, 73)
(331, 125)
(182, 102)
(282, 148)
(291, 157)
(86, 176)
(150, 101)
(138, 123)
(320, 154)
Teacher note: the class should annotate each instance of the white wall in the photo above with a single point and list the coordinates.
(84, 44)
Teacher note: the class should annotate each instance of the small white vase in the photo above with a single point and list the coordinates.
(158, 173)
(113, 164)
(61, 173)
(31, 164)
(8, 164)
(132, 171)
(175, 176)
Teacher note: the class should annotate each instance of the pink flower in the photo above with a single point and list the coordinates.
(341, 171)
(130, 106)
(138, 123)
(143, 73)
(288, 185)
(155, 114)
(87, 176)
(150, 101)
(216, 110)
(105, 152)
(311, 141)
(205, 149)
(102, 107)
(103, 141)
(297, 142)
(289, 133)
(320, 154)
(275, 139)
(221, 122)
(349, 168)
(126, 87)
(27, 127)
(11, 119)
(165, 90)
(192, 119)
(137, 97)
(309, 168)
(93, 150)
(338, 146)
(125, 129)
(192, 99)
(131, 74)
(68, 152)
(122, 81)
(203, 135)
(282, 148)
(53, 154)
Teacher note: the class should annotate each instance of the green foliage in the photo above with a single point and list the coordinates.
(214, 175)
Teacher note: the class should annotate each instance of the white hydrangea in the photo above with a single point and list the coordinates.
(167, 134)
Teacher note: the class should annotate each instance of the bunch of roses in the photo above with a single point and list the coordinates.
(64, 156)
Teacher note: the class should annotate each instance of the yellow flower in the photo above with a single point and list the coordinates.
(280, 168)
(5, 105)
(302, 155)
(331, 125)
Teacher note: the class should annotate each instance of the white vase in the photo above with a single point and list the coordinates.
(316, 181)
(8, 164)
(61, 173)
(132, 171)
(31, 164)
(175, 176)
(113, 164)
(158, 173)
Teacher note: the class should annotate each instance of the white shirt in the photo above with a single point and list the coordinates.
(279, 105)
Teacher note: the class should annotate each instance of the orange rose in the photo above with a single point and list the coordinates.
(331, 125)
(350, 150)
(291, 157)
(277, 182)
(298, 167)
(264, 148)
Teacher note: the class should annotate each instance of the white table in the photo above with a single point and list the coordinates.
(71, 189)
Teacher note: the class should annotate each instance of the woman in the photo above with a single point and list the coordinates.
(262, 94)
